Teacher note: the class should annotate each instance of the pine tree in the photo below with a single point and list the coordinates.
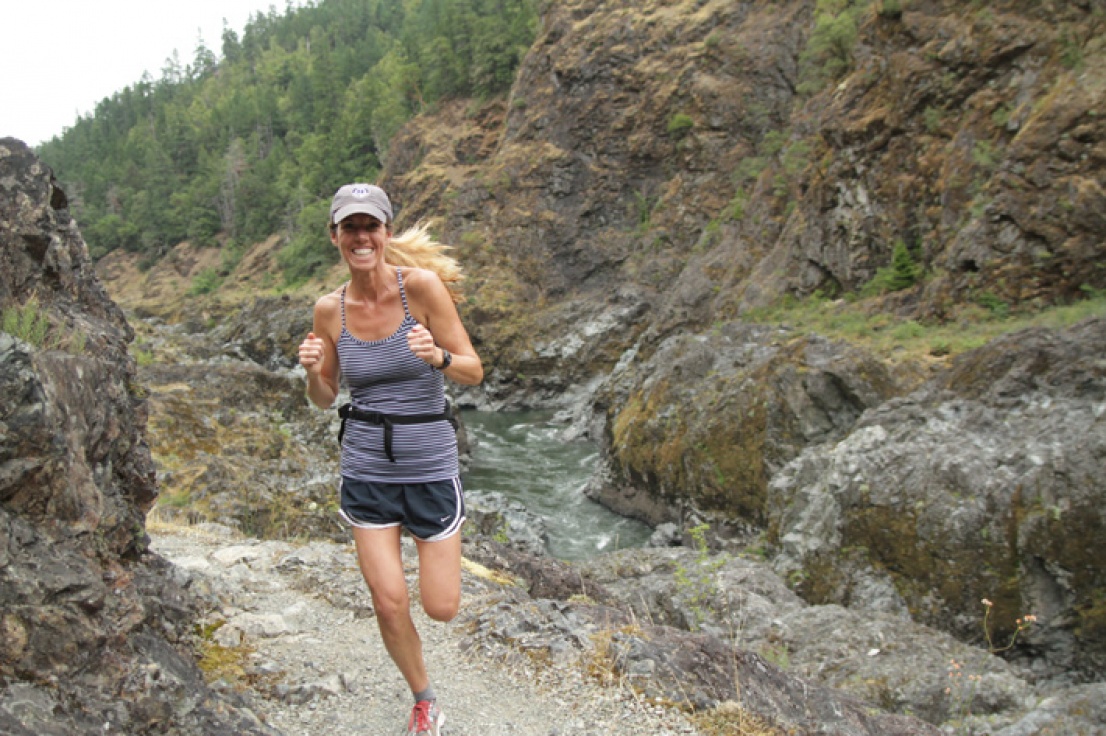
(904, 270)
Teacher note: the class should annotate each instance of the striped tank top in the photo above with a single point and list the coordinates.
(385, 376)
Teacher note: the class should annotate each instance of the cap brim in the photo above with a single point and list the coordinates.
(360, 208)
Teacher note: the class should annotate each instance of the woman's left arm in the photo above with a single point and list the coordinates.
(432, 306)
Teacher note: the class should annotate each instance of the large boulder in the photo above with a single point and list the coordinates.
(706, 421)
(96, 637)
(984, 484)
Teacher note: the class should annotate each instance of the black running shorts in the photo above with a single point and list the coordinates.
(429, 511)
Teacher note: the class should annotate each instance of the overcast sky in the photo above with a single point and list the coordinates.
(59, 58)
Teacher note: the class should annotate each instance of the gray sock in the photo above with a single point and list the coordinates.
(427, 694)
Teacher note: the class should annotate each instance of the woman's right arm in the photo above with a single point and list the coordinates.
(319, 354)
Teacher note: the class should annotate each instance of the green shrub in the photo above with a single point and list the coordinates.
(1071, 52)
(903, 273)
(829, 51)
(28, 323)
(205, 282)
(232, 254)
(737, 205)
(939, 348)
(1001, 116)
(909, 330)
(993, 304)
(680, 124)
(750, 169)
(1091, 292)
(932, 117)
(643, 206)
(891, 9)
(143, 357)
(772, 143)
(983, 153)
(797, 157)
(472, 239)
(697, 583)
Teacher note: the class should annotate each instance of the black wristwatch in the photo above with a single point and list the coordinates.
(446, 360)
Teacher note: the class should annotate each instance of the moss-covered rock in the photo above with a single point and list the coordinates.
(707, 419)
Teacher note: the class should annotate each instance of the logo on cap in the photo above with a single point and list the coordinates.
(359, 191)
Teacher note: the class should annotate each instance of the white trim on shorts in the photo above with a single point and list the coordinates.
(364, 524)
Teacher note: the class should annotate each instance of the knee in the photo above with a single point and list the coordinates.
(390, 607)
(443, 610)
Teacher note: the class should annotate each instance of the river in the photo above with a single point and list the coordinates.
(522, 456)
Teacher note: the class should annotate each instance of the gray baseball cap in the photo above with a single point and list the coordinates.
(367, 199)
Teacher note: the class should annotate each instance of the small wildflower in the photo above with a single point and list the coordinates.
(987, 603)
(1030, 618)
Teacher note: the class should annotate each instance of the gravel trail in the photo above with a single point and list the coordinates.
(316, 665)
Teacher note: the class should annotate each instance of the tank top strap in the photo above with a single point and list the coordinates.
(402, 291)
(343, 302)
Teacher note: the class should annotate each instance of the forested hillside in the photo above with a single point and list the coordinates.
(236, 145)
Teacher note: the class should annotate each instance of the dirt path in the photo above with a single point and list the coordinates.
(316, 666)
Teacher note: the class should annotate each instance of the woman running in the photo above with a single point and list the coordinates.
(393, 332)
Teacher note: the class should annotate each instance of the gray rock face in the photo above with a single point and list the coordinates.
(266, 331)
(1076, 710)
(986, 483)
(879, 657)
(612, 611)
(95, 635)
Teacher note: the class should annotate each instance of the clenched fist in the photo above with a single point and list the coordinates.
(312, 352)
(423, 346)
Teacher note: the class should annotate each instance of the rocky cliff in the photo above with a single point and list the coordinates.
(657, 169)
(96, 637)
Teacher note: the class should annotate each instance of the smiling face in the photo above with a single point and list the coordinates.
(361, 239)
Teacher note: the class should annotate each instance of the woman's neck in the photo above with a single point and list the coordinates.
(372, 285)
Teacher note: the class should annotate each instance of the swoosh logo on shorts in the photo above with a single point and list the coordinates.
(444, 519)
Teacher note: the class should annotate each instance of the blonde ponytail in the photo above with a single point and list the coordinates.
(414, 247)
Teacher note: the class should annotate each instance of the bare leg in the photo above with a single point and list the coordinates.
(381, 560)
(440, 577)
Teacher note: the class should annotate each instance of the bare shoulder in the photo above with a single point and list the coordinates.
(422, 283)
(327, 316)
(329, 303)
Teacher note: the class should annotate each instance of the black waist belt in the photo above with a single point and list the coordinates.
(348, 411)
